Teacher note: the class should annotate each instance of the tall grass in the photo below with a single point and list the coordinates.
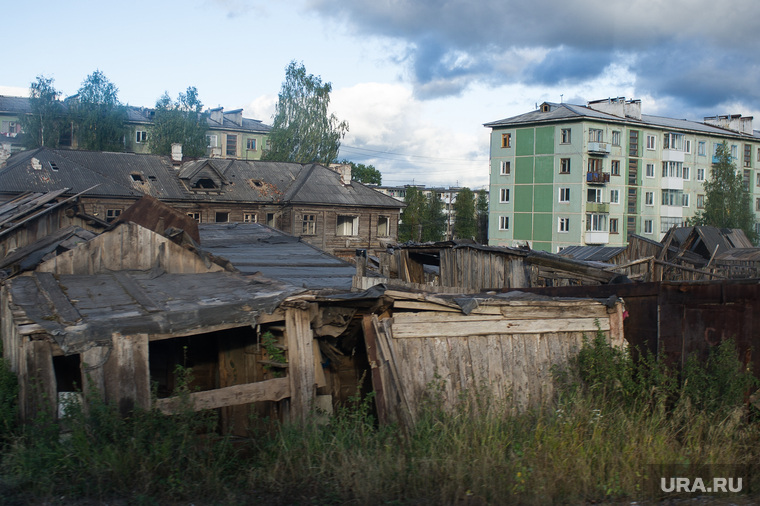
(613, 418)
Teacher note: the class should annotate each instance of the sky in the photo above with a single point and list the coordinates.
(415, 79)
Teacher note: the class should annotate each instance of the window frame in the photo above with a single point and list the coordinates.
(566, 136)
(651, 142)
(342, 220)
(563, 225)
(506, 167)
(504, 195)
(564, 165)
(308, 224)
(564, 194)
(503, 222)
(232, 145)
(506, 140)
(251, 141)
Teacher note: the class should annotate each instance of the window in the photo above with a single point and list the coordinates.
(112, 214)
(688, 146)
(222, 217)
(595, 165)
(685, 200)
(383, 226)
(747, 177)
(565, 136)
(504, 195)
(747, 155)
(757, 204)
(211, 141)
(564, 194)
(757, 179)
(564, 166)
(613, 225)
(700, 174)
(614, 196)
(633, 143)
(309, 224)
(596, 223)
(649, 198)
(347, 225)
(651, 142)
(700, 201)
(672, 197)
(595, 135)
(616, 138)
(564, 225)
(758, 154)
(594, 195)
(231, 145)
(672, 169)
(666, 223)
(141, 136)
(250, 218)
(701, 149)
(686, 173)
(734, 151)
(251, 144)
(506, 167)
(615, 167)
(503, 222)
(650, 170)
(195, 216)
(672, 141)
(506, 140)
(647, 226)
(137, 177)
(270, 220)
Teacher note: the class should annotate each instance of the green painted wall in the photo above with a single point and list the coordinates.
(545, 140)
(523, 199)
(542, 228)
(523, 226)
(544, 169)
(525, 142)
(542, 198)
(524, 170)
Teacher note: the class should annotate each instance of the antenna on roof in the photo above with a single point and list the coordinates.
(561, 95)
(536, 105)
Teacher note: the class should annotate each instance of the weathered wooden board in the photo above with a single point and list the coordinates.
(269, 390)
(479, 326)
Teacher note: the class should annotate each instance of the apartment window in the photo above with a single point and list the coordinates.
(250, 218)
(685, 200)
(666, 223)
(564, 166)
(383, 226)
(595, 135)
(647, 226)
(672, 169)
(650, 170)
(672, 141)
(565, 136)
(506, 168)
(309, 224)
(672, 197)
(251, 144)
(195, 216)
(702, 149)
(506, 140)
(734, 151)
(616, 138)
(231, 145)
(594, 195)
(747, 178)
(222, 217)
(503, 222)
(757, 204)
(141, 136)
(651, 142)
(649, 198)
(564, 225)
(700, 201)
(686, 173)
(613, 225)
(211, 141)
(595, 165)
(688, 146)
(504, 196)
(614, 196)
(633, 143)
(757, 179)
(700, 174)
(596, 223)
(112, 214)
(747, 155)
(564, 194)
(758, 154)
(347, 225)
(615, 167)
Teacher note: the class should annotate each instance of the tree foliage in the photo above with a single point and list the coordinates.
(727, 200)
(44, 123)
(481, 208)
(465, 222)
(366, 174)
(99, 116)
(423, 219)
(303, 131)
(179, 122)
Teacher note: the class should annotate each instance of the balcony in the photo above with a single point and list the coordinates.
(597, 237)
(597, 177)
(597, 207)
(601, 148)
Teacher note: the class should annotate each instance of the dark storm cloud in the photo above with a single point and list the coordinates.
(694, 49)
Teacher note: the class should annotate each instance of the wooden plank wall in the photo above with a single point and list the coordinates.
(475, 270)
(495, 357)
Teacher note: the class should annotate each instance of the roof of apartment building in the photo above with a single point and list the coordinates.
(552, 112)
(131, 175)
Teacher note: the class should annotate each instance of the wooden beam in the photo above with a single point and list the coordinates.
(301, 363)
(269, 390)
(481, 327)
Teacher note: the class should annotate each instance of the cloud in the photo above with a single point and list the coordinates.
(694, 48)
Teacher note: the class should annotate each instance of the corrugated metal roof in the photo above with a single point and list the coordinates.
(592, 253)
(131, 175)
(252, 247)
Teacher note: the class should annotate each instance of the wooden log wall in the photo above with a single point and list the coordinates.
(496, 357)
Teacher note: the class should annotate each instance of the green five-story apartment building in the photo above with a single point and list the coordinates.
(567, 175)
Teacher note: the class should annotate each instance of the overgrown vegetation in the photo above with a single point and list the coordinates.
(612, 418)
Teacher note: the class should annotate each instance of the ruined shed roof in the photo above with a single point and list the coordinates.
(252, 247)
(82, 311)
